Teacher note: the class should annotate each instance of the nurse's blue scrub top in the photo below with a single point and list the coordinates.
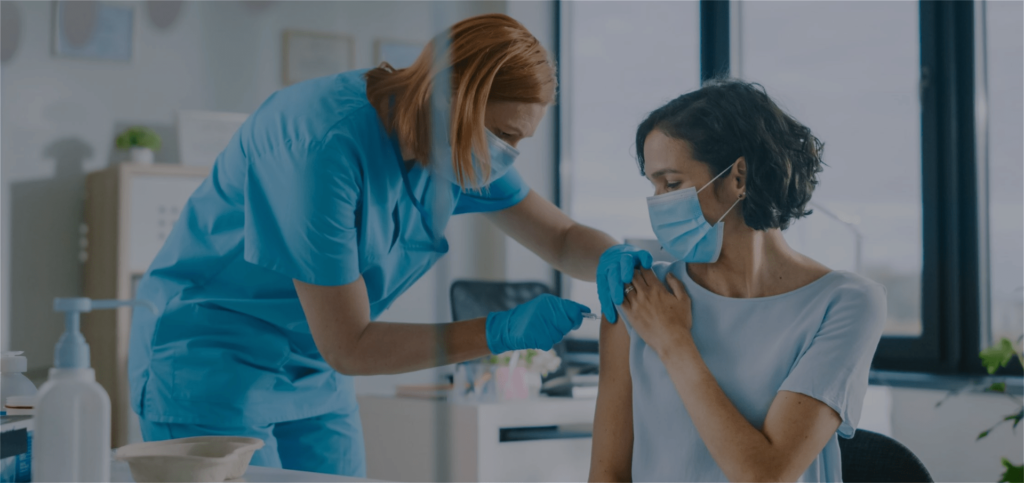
(311, 187)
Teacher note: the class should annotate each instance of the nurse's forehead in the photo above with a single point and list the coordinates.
(516, 118)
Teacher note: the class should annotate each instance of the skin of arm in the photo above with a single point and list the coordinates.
(339, 316)
(611, 454)
(339, 319)
(796, 428)
(538, 225)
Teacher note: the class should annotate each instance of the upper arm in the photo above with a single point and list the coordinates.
(337, 316)
(536, 224)
(825, 389)
(612, 452)
(798, 427)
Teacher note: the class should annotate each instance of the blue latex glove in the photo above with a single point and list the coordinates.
(614, 271)
(537, 324)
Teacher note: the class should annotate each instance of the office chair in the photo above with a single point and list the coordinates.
(476, 298)
(872, 457)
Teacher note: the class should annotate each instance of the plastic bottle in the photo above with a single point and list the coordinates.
(72, 420)
(21, 406)
(12, 378)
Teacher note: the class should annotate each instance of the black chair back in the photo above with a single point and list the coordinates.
(873, 457)
(476, 298)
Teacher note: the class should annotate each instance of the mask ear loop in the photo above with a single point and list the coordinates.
(734, 203)
(716, 177)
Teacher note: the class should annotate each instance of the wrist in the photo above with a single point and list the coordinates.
(493, 330)
(676, 344)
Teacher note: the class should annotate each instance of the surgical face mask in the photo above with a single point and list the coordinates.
(502, 154)
(680, 226)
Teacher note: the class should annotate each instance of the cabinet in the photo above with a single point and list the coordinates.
(129, 211)
(543, 439)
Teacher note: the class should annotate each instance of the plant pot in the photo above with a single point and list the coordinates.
(141, 155)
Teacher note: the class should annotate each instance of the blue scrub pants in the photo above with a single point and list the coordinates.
(331, 443)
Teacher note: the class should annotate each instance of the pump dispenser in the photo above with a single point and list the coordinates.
(72, 421)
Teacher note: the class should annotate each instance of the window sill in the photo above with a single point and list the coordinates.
(944, 382)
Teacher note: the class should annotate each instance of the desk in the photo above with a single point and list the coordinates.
(119, 473)
(543, 439)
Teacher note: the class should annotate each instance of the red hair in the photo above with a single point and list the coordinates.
(489, 57)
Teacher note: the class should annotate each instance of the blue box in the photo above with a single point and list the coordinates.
(15, 449)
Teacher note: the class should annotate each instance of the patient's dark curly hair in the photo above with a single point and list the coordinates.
(728, 118)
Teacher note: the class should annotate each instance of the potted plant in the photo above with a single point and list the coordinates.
(141, 142)
(999, 355)
(993, 358)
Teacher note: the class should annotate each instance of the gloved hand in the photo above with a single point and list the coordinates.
(614, 270)
(537, 324)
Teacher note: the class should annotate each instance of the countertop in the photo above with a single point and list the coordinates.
(119, 472)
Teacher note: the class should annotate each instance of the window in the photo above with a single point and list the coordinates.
(850, 72)
(620, 61)
(1005, 83)
(922, 182)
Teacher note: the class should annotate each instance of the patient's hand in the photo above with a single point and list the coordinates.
(660, 315)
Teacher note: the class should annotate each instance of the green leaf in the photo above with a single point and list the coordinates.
(1015, 418)
(998, 387)
(983, 434)
(1013, 474)
(997, 356)
(139, 136)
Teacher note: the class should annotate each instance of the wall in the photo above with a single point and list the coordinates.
(944, 437)
(60, 117)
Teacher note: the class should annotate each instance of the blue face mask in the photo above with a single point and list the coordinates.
(502, 154)
(680, 226)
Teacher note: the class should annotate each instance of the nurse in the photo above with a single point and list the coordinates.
(327, 204)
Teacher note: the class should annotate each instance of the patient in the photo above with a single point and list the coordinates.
(744, 360)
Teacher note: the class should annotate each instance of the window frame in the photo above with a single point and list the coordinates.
(953, 291)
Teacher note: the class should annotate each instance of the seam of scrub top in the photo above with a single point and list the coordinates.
(817, 281)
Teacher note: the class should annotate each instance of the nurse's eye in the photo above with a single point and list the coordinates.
(672, 186)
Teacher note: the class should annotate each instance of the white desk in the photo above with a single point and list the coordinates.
(120, 473)
(426, 440)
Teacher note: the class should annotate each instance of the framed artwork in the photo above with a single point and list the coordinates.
(308, 55)
(399, 53)
(94, 30)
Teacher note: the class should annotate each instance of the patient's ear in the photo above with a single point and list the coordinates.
(739, 172)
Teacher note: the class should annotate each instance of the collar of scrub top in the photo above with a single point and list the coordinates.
(440, 244)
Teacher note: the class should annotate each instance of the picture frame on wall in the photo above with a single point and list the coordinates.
(398, 53)
(308, 55)
(94, 30)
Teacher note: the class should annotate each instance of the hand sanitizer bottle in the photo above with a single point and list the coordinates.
(13, 382)
(72, 419)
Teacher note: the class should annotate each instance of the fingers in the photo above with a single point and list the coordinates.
(604, 295)
(626, 265)
(677, 288)
(576, 311)
(607, 307)
(645, 257)
(614, 286)
(640, 278)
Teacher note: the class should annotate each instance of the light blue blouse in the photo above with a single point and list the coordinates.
(816, 340)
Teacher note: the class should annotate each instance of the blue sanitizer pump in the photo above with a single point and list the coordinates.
(71, 441)
(72, 351)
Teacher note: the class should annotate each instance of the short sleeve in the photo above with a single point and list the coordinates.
(502, 193)
(301, 212)
(834, 367)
